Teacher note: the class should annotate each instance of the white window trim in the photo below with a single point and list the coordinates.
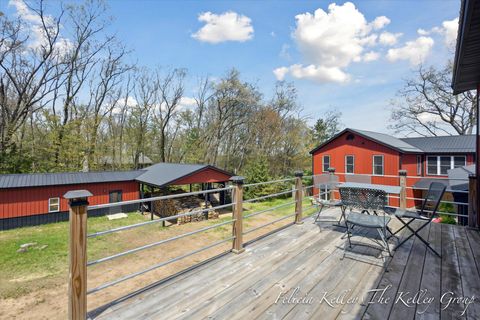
(353, 164)
(373, 165)
(323, 162)
(452, 163)
(419, 165)
(49, 204)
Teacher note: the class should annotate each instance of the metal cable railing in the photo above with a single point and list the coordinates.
(143, 200)
(141, 224)
(269, 209)
(154, 244)
(267, 224)
(269, 196)
(156, 266)
(267, 182)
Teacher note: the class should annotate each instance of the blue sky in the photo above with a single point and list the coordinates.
(161, 33)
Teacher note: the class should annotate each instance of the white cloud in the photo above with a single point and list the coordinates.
(228, 26)
(388, 38)
(380, 22)
(35, 28)
(448, 30)
(330, 41)
(370, 56)
(186, 102)
(280, 73)
(414, 51)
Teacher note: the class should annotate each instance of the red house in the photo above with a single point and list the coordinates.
(380, 155)
(32, 199)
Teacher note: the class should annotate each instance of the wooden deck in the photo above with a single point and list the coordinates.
(292, 274)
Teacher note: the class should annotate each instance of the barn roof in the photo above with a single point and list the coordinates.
(466, 68)
(162, 174)
(444, 144)
(382, 138)
(65, 178)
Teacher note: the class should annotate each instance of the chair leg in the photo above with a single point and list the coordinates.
(320, 208)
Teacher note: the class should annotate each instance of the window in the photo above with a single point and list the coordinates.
(115, 196)
(419, 165)
(378, 165)
(439, 165)
(53, 204)
(326, 163)
(349, 164)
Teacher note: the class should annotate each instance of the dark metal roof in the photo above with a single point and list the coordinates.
(382, 138)
(444, 144)
(68, 178)
(162, 174)
(466, 69)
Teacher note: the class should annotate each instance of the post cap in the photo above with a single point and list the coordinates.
(298, 173)
(331, 169)
(77, 194)
(402, 172)
(237, 179)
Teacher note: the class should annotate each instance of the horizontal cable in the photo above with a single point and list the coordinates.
(393, 176)
(156, 266)
(439, 212)
(267, 182)
(268, 209)
(136, 225)
(452, 191)
(308, 187)
(421, 199)
(118, 255)
(269, 196)
(269, 223)
(171, 196)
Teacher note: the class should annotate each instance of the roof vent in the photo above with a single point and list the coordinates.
(350, 137)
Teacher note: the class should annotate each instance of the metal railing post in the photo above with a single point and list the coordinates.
(473, 218)
(331, 183)
(237, 225)
(77, 277)
(403, 191)
(298, 197)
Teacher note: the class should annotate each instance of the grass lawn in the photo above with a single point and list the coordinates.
(47, 268)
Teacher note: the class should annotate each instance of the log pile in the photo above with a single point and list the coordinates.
(172, 207)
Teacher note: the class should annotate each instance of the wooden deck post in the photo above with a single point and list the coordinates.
(298, 196)
(237, 226)
(331, 182)
(403, 191)
(77, 277)
(473, 217)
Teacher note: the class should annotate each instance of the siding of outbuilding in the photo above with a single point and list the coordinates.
(204, 176)
(17, 202)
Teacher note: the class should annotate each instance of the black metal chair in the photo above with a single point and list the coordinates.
(426, 214)
(325, 183)
(365, 200)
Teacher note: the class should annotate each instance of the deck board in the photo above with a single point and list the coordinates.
(309, 257)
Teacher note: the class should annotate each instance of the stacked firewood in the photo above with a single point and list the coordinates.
(172, 207)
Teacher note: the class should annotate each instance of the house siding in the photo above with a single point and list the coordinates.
(363, 150)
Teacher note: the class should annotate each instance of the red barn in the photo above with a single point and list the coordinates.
(380, 155)
(31, 199)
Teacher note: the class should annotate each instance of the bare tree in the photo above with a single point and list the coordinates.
(168, 94)
(426, 105)
(31, 61)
